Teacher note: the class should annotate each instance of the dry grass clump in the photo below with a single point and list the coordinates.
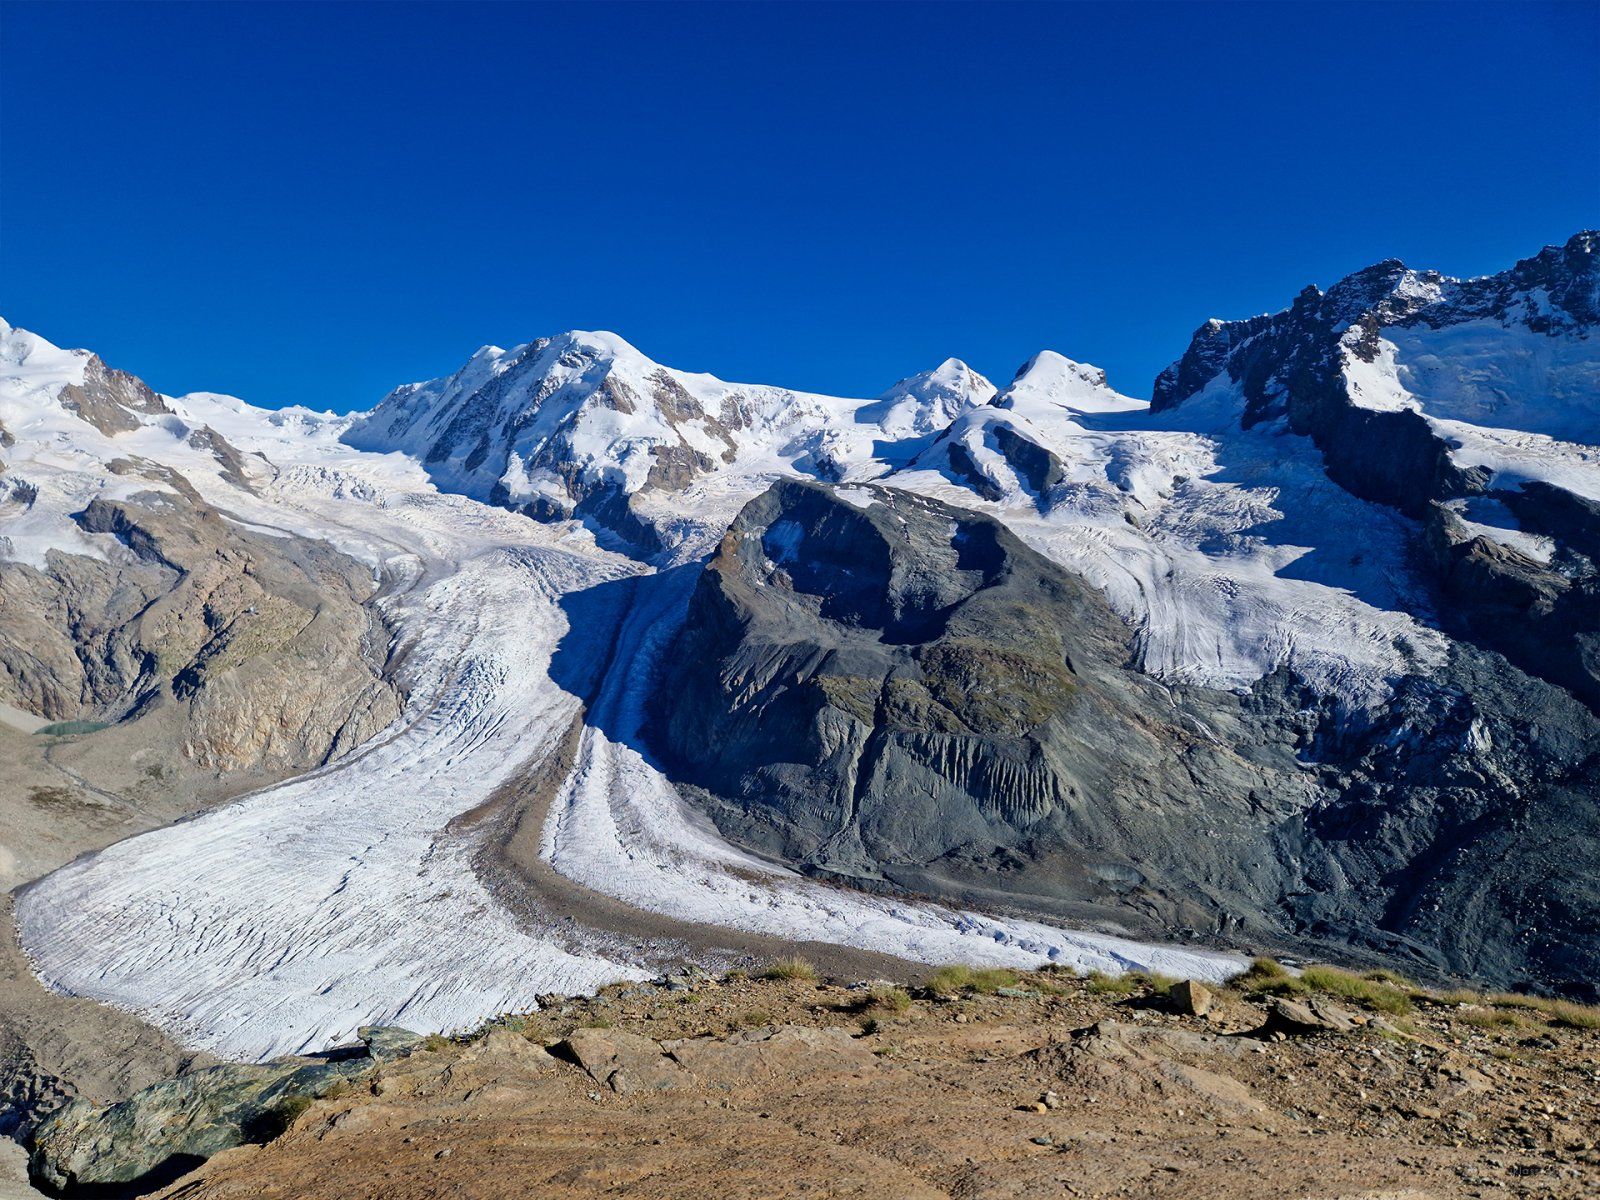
(1558, 1012)
(893, 1000)
(1495, 1018)
(1156, 982)
(797, 969)
(1384, 991)
(1373, 993)
(1102, 984)
(1576, 1016)
(1270, 976)
(1385, 975)
(949, 981)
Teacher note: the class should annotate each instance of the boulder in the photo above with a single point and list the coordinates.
(625, 1062)
(1297, 1018)
(169, 1128)
(1191, 998)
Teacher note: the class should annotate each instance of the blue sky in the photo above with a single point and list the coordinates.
(313, 204)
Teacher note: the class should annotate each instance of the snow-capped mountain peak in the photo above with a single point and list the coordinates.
(926, 402)
(1049, 379)
(33, 363)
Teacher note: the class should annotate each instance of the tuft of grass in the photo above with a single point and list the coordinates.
(1102, 984)
(1566, 1013)
(1574, 1015)
(1267, 976)
(597, 1023)
(754, 1018)
(1385, 975)
(737, 975)
(797, 969)
(1384, 997)
(990, 979)
(870, 1026)
(1495, 1018)
(435, 1041)
(890, 999)
(948, 981)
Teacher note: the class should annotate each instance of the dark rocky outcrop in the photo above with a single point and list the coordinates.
(1536, 614)
(905, 696)
(171, 1127)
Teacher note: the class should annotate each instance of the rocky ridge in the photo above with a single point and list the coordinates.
(1403, 380)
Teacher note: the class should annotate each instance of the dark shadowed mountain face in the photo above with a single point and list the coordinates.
(896, 692)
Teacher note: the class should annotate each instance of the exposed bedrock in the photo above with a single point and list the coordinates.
(265, 644)
(904, 695)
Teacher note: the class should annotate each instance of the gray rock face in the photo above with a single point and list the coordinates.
(906, 696)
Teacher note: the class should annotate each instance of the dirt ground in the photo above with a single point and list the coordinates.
(740, 1088)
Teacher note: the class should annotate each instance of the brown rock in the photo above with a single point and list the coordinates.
(789, 1050)
(1190, 997)
(1292, 1017)
(625, 1062)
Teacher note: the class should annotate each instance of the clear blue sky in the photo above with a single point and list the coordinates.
(313, 204)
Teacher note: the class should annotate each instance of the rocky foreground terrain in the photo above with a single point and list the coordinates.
(981, 1084)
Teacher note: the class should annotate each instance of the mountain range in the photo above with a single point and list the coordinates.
(569, 664)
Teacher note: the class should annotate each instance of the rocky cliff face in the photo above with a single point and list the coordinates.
(263, 644)
(896, 692)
